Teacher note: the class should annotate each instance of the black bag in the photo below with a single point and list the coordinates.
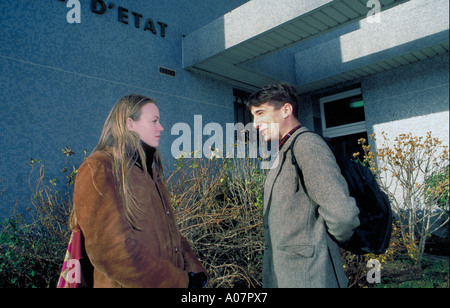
(375, 214)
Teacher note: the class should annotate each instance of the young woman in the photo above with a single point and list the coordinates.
(123, 208)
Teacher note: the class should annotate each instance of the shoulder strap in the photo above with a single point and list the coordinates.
(300, 177)
(294, 161)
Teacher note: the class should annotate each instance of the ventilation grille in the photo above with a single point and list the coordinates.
(167, 71)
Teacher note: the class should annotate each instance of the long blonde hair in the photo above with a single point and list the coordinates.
(123, 146)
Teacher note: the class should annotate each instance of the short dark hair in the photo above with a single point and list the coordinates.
(276, 95)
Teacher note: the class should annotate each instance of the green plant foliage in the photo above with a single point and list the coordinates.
(29, 258)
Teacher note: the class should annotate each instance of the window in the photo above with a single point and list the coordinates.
(343, 120)
(244, 116)
(241, 113)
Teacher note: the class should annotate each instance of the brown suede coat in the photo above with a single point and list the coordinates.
(154, 256)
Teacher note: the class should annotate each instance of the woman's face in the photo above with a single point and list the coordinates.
(147, 126)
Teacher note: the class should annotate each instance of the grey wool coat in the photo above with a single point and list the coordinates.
(298, 249)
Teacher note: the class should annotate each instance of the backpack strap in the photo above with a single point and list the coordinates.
(300, 177)
(294, 162)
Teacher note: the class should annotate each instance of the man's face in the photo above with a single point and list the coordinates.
(267, 120)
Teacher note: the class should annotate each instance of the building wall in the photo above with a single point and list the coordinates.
(59, 80)
(414, 98)
(402, 29)
(411, 99)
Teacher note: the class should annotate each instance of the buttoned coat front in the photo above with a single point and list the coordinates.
(299, 252)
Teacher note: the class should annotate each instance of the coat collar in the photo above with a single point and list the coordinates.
(288, 142)
(288, 135)
(149, 155)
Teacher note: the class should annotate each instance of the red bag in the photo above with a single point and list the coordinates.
(77, 270)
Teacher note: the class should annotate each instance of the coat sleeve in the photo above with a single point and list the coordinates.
(109, 238)
(326, 186)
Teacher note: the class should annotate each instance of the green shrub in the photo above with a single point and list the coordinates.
(30, 257)
(31, 254)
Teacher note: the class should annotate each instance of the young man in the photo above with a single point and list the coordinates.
(299, 251)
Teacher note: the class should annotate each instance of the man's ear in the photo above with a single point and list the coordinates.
(287, 110)
(130, 124)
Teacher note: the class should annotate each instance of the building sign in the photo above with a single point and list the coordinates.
(124, 15)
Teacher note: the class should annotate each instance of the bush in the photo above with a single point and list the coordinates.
(31, 254)
(30, 257)
(355, 266)
(413, 171)
(218, 204)
(220, 213)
